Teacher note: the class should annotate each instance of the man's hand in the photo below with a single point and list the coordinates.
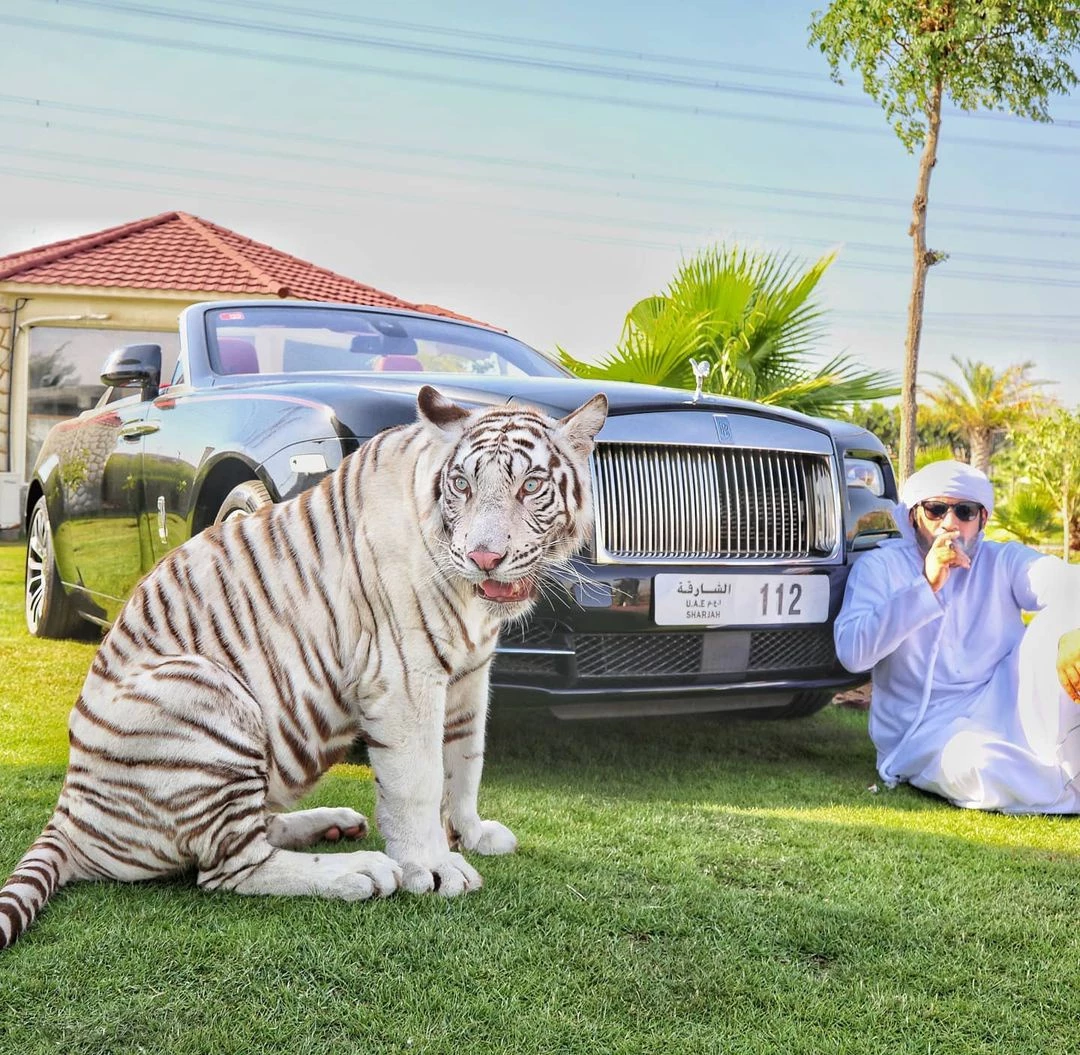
(944, 555)
(1068, 663)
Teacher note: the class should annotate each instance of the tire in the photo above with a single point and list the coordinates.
(49, 611)
(243, 500)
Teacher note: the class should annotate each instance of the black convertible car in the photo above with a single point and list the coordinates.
(724, 530)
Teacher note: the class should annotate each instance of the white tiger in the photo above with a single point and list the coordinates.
(252, 657)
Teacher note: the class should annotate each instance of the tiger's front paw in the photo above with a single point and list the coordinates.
(489, 838)
(355, 876)
(449, 877)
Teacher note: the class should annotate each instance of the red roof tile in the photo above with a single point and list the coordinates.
(176, 250)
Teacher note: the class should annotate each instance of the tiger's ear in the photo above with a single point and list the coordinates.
(435, 408)
(581, 426)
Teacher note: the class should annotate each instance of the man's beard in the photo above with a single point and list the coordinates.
(967, 548)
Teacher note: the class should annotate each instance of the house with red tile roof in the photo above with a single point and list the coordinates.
(64, 306)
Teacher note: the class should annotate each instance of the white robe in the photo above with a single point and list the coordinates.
(965, 702)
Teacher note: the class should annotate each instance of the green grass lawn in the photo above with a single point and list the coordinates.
(682, 886)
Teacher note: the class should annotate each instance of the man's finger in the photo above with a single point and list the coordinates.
(1069, 676)
(1068, 663)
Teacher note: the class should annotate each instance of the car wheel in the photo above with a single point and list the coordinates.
(49, 611)
(242, 501)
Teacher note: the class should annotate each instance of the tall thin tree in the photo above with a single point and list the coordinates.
(913, 54)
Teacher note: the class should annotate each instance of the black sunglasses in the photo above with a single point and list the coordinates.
(965, 511)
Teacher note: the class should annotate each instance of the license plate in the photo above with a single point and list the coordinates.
(740, 600)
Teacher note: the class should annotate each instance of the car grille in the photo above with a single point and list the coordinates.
(525, 664)
(664, 502)
(791, 649)
(623, 655)
(528, 635)
(667, 655)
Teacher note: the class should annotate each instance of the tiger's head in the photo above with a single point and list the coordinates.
(512, 493)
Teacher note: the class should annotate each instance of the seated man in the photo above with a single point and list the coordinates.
(966, 702)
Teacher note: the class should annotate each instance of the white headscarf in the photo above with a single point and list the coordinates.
(952, 479)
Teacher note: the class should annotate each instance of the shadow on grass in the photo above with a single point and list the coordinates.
(814, 773)
(682, 752)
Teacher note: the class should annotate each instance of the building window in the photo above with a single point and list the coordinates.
(65, 373)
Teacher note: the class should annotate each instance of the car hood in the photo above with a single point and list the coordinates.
(354, 398)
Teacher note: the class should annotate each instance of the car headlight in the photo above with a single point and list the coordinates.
(862, 472)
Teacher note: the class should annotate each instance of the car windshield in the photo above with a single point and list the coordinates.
(286, 339)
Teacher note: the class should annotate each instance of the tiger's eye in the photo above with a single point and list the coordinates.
(530, 487)
(460, 484)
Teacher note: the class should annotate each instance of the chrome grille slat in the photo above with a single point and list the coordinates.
(782, 488)
(756, 462)
(742, 509)
(751, 505)
(728, 492)
(665, 502)
(800, 521)
(774, 505)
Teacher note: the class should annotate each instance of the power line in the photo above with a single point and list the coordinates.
(1021, 318)
(977, 276)
(546, 185)
(353, 191)
(635, 177)
(473, 55)
(821, 245)
(630, 76)
(982, 258)
(531, 42)
(413, 76)
(1067, 336)
(1019, 335)
(546, 214)
(325, 64)
(683, 61)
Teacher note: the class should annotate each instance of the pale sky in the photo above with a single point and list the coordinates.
(541, 167)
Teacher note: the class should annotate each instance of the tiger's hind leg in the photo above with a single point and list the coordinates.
(204, 767)
(241, 856)
(242, 850)
(294, 831)
(261, 868)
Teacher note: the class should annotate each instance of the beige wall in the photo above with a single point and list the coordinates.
(124, 309)
(5, 379)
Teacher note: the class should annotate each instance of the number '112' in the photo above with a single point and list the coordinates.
(786, 593)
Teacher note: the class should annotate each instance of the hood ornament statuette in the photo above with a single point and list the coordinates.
(701, 369)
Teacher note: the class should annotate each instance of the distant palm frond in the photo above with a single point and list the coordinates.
(983, 404)
(927, 455)
(1028, 516)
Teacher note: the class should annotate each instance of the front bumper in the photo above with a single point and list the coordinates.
(601, 650)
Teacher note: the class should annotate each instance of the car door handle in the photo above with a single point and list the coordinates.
(139, 428)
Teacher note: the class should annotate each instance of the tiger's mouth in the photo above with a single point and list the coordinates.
(506, 592)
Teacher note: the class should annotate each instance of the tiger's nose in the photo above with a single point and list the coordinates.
(485, 559)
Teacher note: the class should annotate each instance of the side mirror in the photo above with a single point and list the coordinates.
(134, 365)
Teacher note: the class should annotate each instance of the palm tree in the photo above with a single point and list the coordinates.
(1027, 515)
(984, 404)
(751, 317)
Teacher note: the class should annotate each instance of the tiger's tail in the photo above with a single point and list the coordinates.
(44, 868)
